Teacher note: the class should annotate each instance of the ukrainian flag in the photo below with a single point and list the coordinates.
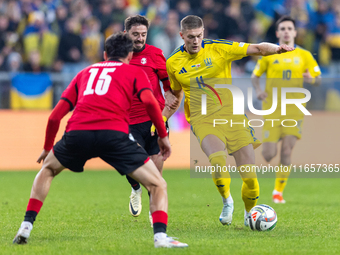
(31, 91)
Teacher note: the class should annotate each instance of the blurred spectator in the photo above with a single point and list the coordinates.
(168, 40)
(113, 28)
(333, 40)
(162, 8)
(104, 14)
(300, 12)
(243, 13)
(206, 7)
(156, 27)
(33, 65)
(3, 38)
(80, 10)
(118, 12)
(183, 8)
(59, 24)
(268, 12)
(318, 22)
(14, 63)
(148, 9)
(70, 54)
(70, 46)
(93, 41)
(270, 8)
(67, 3)
(38, 37)
(14, 14)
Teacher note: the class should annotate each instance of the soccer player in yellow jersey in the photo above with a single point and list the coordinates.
(287, 70)
(195, 66)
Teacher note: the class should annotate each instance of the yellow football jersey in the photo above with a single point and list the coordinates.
(196, 73)
(286, 70)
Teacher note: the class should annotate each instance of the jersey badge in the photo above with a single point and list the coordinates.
(208, 62)
(196, 66)
(182, 71)
(143, 61)
(296, 60)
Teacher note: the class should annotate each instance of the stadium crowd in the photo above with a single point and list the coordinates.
(66, 35)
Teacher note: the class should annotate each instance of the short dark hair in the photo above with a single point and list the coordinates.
(283, 19)
(136, 20)
(118, 45)
(191, 22)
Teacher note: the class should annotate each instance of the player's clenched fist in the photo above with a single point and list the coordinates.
(165, 147)
(261, 95)
(171, 101)
(284, 48)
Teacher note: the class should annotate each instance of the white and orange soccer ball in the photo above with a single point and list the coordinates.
(262, 218)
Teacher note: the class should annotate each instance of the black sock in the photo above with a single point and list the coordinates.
(30, 216)
(159, 227)
(134, 184)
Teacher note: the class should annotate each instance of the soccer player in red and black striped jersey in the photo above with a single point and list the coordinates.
(152, 61)
(101, 96)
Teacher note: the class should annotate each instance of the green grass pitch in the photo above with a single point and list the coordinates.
(88, 213)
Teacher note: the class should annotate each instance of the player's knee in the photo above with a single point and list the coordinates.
(286, 152)
(252, 183)
(47, 172)
(163, 184)
(268, 154)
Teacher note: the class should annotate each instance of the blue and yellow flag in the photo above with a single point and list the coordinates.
(31, 91)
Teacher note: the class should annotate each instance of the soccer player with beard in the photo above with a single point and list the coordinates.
(152, 61)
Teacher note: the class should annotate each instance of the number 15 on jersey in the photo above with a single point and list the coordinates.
(103, 82)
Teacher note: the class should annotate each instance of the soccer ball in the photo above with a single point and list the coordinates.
(262, 218)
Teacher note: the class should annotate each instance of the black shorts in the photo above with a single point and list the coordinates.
(115, 148)
(141, 133)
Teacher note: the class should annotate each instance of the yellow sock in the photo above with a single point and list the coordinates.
(280, 184)
(250, 188)
(281, 178)
(221, 180)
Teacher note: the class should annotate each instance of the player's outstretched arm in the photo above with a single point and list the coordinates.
(168, 112)
(260, 94)
(266, 49)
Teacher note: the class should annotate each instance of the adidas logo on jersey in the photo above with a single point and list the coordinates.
(276, 62)
(182, 70)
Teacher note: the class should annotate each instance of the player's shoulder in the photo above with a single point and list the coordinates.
(175, 54)
(152, 49)
(302, 50)
(217, 45)
(216, 42)
(132, 68)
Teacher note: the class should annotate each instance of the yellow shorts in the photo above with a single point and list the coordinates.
(274, 131)
(234, 137)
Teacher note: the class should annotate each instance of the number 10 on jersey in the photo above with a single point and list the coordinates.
(286, 74)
